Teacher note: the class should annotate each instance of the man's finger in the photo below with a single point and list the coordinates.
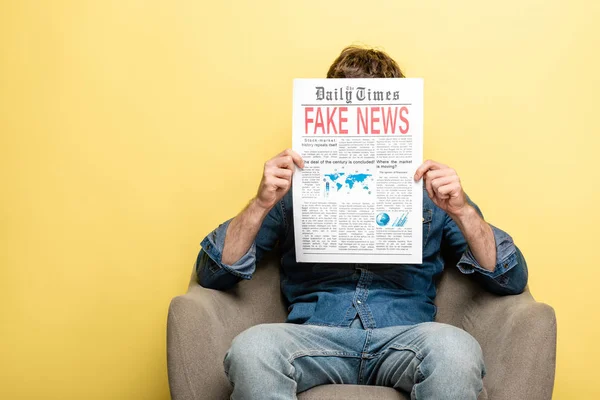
(284, 161)
(433, 174)
(296, 158)
(426, 166)
(437, 183)
(284, 173)
(448, 190)
(280, 183)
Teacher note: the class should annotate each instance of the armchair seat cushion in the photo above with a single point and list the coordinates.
(352, 392)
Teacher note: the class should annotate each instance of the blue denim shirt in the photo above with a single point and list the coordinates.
(380, 295)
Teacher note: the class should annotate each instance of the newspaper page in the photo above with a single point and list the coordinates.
(355, 200)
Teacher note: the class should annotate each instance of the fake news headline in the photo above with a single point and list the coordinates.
(370, 120)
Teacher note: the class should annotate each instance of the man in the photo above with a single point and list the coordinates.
(359, 323)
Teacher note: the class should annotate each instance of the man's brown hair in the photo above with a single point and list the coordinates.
(360, 62)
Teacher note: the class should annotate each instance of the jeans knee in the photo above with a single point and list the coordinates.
(456, 349)
(252, 348)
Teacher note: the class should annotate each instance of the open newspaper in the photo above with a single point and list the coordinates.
(355, 200)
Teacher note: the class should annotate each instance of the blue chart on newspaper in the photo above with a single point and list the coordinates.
(355, 199)
(353, 184)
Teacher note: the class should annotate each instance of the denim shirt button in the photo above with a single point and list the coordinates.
(358, 302)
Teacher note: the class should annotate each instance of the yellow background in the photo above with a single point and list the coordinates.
(129, 129)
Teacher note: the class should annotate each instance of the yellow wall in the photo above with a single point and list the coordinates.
(129, 129)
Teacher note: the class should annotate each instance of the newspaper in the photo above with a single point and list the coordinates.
(355, 200)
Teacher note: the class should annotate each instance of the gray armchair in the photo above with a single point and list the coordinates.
(517, 335)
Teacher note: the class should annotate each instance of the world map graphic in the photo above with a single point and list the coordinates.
(348, 183)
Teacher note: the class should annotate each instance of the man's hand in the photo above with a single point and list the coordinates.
(277, 178)
(443, 187)
(275, 183)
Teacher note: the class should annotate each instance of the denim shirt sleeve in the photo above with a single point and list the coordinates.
(510, 273)
(214, 274)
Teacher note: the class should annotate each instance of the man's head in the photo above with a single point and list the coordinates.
(359, 62)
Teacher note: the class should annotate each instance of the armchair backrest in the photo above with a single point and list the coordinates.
(454, 294)
(260, 297)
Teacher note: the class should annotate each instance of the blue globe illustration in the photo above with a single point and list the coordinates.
(382, 219)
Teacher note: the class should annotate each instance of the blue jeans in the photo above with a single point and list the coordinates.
(428, 360)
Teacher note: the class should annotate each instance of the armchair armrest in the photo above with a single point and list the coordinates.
(203, 322)
(518, 338)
